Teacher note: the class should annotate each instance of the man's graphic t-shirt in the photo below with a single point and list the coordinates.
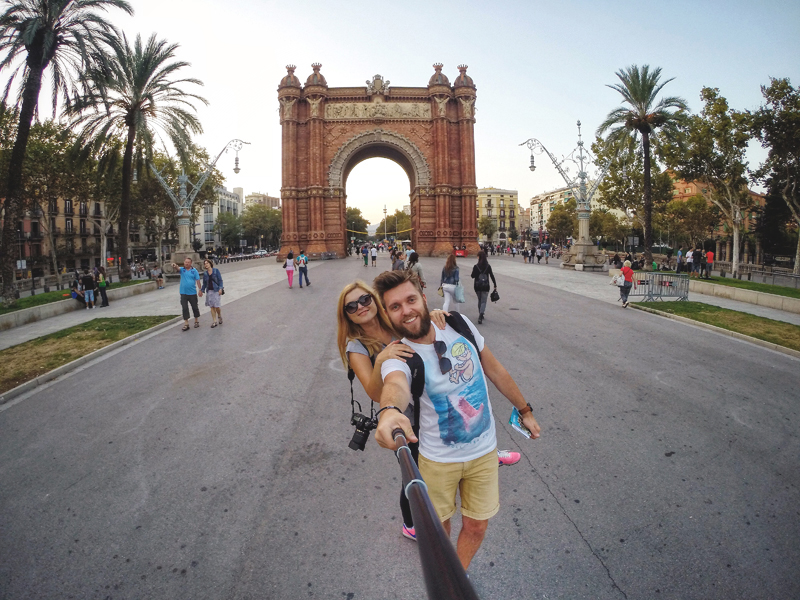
(456, 422)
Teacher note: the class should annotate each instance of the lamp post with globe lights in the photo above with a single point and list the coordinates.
(583, 255)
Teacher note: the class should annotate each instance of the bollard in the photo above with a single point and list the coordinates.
(722, 273)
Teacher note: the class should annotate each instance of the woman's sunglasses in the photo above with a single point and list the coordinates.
(444, 363)
(352, 307)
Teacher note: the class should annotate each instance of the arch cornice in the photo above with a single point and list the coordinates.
(380, 137)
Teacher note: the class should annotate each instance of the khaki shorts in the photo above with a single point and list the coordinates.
(476, 480)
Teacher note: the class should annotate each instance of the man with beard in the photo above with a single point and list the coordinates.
(457, 441)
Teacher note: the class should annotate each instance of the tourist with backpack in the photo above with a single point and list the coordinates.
(455, 429)
(366, 339)
(481, 273)
(302, 266)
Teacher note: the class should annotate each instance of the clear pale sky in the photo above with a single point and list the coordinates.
(538, 67)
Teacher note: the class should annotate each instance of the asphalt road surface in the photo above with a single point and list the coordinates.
(214, 463)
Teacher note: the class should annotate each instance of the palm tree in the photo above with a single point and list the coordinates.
(641, 114)
(135, 96)
(36, 35)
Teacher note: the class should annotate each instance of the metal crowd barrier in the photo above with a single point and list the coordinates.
(657, 286)
(445, 578)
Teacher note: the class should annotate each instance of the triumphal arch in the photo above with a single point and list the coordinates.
(428, 131)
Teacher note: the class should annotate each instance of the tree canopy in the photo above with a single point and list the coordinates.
(641, 115)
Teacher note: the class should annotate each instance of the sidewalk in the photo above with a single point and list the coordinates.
(597, 286)
(238, 284)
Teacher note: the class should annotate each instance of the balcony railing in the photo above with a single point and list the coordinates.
(69, 211)
(53, 209)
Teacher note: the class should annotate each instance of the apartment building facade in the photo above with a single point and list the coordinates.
(502, 207)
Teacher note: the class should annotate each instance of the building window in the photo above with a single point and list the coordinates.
(68, 225)
(68, 207)
(502, 225)
(488, 212)
(502, 203)
(511, 214)
(687, 190)
(502, 213)
(83, 226)
(84, 210)
(511, 223)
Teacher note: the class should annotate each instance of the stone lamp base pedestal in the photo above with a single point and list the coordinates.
(585, 256)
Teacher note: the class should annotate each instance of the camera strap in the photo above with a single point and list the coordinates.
(351, 375)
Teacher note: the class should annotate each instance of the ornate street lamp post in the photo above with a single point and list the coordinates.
(583, 255)
(183, 202)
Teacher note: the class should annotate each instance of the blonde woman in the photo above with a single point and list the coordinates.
(366, 339)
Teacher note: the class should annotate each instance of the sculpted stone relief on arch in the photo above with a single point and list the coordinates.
(383, 137)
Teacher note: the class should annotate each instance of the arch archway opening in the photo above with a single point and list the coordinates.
(375, 180)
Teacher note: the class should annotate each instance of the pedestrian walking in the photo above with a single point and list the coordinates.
(481, 273)
(288, 264)
(374, 252)
(365, 254)
(302, 266)
(102, 284)
(189, 288)
(630, 282)
(449, 281)
(457, 446)
(709, 263)
(399, 263)
(416, 268)
(213, 288)
(88, 283)
(689, 261)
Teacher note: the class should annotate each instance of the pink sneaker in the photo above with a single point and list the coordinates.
(409, 533)
(508, 458)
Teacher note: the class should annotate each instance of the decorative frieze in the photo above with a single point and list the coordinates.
(377, 110)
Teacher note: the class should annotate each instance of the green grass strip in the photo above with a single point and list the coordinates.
(766, 288)
(769, 330)
(55, 296)
(31, 359)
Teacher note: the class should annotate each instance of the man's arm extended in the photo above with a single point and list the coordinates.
(395, 393)
(503, 381)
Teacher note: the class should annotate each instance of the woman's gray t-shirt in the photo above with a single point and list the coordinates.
(359, 348)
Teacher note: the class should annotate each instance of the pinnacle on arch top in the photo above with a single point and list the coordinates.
(438, 78)
(290, 80)
(316, 78)
(463, 80)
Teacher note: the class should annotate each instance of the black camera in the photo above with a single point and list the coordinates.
(363, 426)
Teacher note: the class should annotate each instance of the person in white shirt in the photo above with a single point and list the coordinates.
(374, 253)
(457, 441)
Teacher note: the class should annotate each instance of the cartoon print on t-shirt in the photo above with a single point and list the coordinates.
(464, 366)
(460, 399)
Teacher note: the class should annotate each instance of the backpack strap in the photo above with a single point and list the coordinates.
(417, 368)
(457, 322)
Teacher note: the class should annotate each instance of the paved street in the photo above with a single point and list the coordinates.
(214, 463)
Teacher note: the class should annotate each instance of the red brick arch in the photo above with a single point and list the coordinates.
(428, 131)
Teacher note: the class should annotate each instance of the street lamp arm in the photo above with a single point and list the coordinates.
(165, 185)
(236, 144)
(597, 183)
(534, 144)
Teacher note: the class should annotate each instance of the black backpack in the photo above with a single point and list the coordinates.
(481, 283)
